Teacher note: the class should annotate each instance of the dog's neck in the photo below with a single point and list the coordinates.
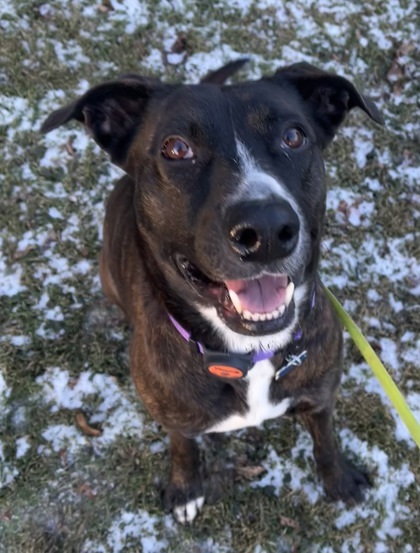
(230, 365)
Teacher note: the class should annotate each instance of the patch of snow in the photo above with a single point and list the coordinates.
(132, 12)
(350, 206)
(5, 392)
(401, 431)
(131, 528)
(373, 295)
(389, 353)
(153, 61)
(374, 322)
(363, 146)
(389, 483)
(14, 109)
(54, 314)
(8, 472)
(283, 471)
(373, 184)
(70, 53)
(411, 354)
(17, 341)
(406, 174)
(396, 305)
(62, 437)
(380, 39)
(54, 213)
(100, 395)
(10, 277)
(23, 445)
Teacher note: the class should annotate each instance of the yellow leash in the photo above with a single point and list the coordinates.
(378, 369)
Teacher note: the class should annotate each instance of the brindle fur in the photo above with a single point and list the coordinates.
(167, 371)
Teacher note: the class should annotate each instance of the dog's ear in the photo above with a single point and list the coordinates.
(329, 96)
(110, 111)
(221, 75)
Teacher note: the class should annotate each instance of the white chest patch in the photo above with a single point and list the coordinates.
(260, 407)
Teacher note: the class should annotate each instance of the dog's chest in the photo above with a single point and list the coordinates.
(259, 406)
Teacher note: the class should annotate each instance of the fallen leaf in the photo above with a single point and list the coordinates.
(396, 71)
(289, 522)
(180, 44)
(21, 253)
(86, 490)
(69, 147)
(250, 472)
(405, 48)
(106, 6)
(83, 425)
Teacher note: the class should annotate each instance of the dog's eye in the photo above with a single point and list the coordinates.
(175, 148)
(294, 138)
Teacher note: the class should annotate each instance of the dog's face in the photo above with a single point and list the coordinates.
(231, 199)
(230, 194)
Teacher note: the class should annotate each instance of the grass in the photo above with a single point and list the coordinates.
(70, 496)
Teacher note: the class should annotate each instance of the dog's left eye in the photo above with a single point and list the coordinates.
(294, 138)
(176, 148)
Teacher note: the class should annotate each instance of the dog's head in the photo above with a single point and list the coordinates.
(230, 194)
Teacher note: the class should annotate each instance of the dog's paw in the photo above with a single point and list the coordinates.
(185, 504)
(347, 483)
(187, 512)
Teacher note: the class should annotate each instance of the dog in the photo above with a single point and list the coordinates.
(211, 248)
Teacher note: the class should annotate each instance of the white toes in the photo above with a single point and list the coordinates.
(188, 512)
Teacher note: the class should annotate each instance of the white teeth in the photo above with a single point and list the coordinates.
(264, 316)
(236, 301)
(289, 293)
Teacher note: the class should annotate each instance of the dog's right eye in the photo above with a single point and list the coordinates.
(294, 138)
(176, 148)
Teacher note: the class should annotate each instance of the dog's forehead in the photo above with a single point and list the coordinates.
(263, 100)
(248, 105)
(195, 101)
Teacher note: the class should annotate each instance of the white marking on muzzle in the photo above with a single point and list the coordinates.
(256, 184)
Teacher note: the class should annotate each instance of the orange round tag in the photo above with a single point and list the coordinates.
(225, 372)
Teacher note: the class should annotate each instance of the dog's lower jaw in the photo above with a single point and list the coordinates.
(241, 343)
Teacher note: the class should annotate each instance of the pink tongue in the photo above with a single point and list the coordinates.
(261, 295)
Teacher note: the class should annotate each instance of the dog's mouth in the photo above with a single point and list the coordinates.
(256, 306)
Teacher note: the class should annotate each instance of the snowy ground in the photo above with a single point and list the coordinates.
(63, 348)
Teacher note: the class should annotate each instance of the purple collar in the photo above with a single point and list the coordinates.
(236, 365)
(258, 356)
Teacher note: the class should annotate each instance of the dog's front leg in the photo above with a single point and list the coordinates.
(340, 478)
(184, 493)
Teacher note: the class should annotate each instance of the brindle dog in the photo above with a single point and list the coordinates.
(211, 249)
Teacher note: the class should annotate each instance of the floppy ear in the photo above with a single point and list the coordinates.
(329, 96)
(221, 75)
(111, 112)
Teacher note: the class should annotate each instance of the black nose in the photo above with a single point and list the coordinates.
(261, 231)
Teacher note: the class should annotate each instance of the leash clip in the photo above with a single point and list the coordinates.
(291, 362)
